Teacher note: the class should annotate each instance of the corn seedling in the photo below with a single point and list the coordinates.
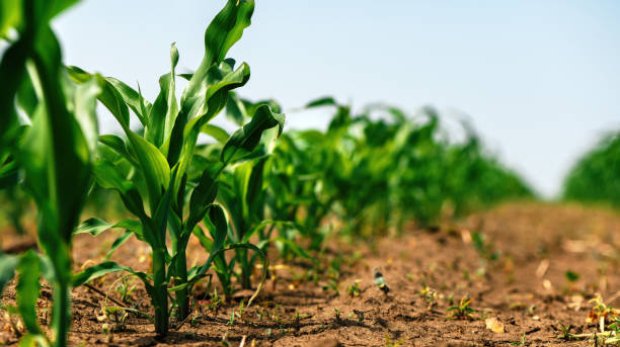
(52, 150)
(152, 169)
(114, 316)
(354, 289)
(462, 310)
(591, 180)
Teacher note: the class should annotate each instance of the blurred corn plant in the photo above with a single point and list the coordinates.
(372, 171)
(152, 170)
(241, 195)
(594, 178)
(47, 132)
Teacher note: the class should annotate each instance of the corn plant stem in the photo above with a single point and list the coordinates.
(61, 313)
(181, 297)
(246, 271)
(160, 292)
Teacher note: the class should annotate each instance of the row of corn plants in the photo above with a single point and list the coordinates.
(594, 178)
(240, 192)
(375, 170)
(61, 155)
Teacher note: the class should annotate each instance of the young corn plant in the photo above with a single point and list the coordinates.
(47, 129)
(241, 195)
(152, 171)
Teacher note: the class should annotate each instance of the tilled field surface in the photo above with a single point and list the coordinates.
(524, 274)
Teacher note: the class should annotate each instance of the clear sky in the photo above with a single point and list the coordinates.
(539, 79)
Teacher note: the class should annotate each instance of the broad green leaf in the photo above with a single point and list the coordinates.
(109, 95)
(132, 98)
(202, 196)
(245, 140)
(219, 134)
(95, 226)
(218, 227)
(29, 270)
(154, 167)
(225, 29)
(235, 109)
(85, 111)
(55, 154)
(12, 70)
(105, 268)
(163, 114)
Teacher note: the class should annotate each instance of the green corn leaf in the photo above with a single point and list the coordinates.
(8, 174)
(205, 242)
(119, 242)
(34, 340)
(55, 153)
(205, 104)
(225, 29)
(12, 65)
(254, 192)
(95, 226)
(28, 288)
(118, 145)
(154, 167)
(198, 272)
(105, 268)
(218, 227)
(235, 109)
(323, 101)
(160, 217)
(202, 196)
(196, 112)
(265, 223)
(296, 248)
(107, 176)
(27, 98)
(133, 201)
(10, 17)
(117, 96)
(109, 96)
(241, 144)
(8, 264)
(148, 158)
(163, 114)
(219, 134)
(132, 98)
(85, 106)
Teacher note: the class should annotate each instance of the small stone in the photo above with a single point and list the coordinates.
(494, 325)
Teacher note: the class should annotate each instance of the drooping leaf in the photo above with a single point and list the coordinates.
(245, 140)
(103, 269)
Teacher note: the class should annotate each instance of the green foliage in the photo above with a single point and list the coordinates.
(595, 178)
(378, 169)
(241, 192)
(157, 170)
(49, 144)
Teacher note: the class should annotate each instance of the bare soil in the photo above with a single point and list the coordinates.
(533, 278)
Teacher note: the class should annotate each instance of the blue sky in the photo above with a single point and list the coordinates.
(539, 79)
